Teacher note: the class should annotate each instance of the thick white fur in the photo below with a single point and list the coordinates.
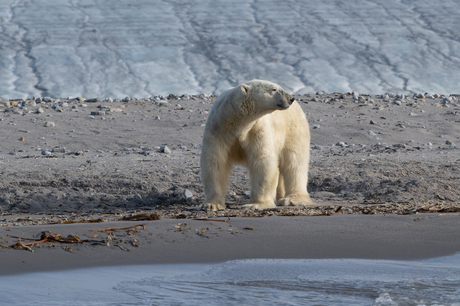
(256, 125)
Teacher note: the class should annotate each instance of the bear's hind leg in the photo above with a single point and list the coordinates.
(280, 192)
(264, 179)
(295, 184)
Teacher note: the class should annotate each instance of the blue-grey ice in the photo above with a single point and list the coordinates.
(140, 48)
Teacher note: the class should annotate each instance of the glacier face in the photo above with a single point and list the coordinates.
(140, 48)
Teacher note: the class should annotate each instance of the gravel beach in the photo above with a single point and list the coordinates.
(77, 162)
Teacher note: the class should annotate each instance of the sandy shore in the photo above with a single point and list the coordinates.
(67, 161)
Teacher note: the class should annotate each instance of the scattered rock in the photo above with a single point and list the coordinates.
(59, 150)
(187, 194)
(98, 113)
(49, 124)
(46, 152)
(104, 107)
(165, 149)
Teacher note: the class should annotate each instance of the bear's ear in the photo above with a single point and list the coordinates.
(244, 89)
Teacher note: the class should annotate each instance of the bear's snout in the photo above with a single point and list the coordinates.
(285, 100)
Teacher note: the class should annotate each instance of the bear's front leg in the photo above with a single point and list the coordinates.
(264, 179)
(215, 171)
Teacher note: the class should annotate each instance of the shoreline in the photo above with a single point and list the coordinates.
(171, 241)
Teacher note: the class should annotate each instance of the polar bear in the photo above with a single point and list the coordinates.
(261, 127)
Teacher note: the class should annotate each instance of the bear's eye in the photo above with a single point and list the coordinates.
(274, 89)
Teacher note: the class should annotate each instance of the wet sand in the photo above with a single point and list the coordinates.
(168, 241)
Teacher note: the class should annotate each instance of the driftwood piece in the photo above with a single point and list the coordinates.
(206, 219)
(46, 236)
(118, 228)
(142, 217)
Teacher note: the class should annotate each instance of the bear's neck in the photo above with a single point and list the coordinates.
(241, 119)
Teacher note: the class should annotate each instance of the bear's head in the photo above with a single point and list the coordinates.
(266, 96)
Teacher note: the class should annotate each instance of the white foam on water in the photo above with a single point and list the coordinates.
(246, 282)
(140, 48)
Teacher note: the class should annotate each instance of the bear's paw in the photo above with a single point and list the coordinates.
(212, 207)
(259, 206)
(295, 200)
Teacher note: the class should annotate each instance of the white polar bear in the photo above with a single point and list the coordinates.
(260, 126)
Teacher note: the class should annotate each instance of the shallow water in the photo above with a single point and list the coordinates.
(246, 282)
(139, 48)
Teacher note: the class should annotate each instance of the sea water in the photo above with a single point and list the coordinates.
(245, 282)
